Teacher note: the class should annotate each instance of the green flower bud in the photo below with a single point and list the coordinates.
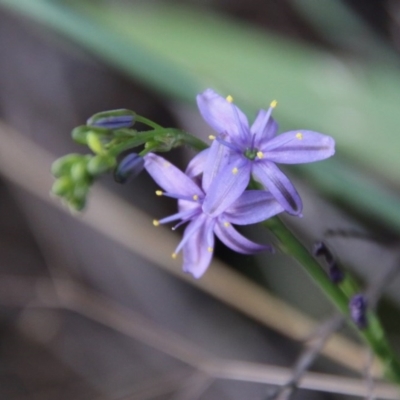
(77, 204)
(79, 134)
(80, 191)
(94, 142)
(62, 166)
(79, 171)
(62, 186)
(100, 164)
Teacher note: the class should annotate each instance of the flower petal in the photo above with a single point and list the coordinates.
(279, 185)
(227, 186)
(198, 249)
(264, 126)
(251, 207)
(170, 178)
(196, 165)
(297, 147)
(223, 116)
(218, 157)
(234, 240)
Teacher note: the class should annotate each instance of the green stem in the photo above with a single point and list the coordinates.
(148, 136)
(193, 141)
(147, 122)
(373, 334)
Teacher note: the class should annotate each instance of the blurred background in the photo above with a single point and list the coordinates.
(91, 305)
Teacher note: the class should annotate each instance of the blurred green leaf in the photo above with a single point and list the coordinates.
(181, 51)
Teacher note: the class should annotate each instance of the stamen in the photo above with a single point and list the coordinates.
(227, 224)
(174, 255)
(273, 104)
(210, 249)
(260, 154)
(212, 137)
(166, 164)
(229, 99)
(235, 171)
(228, 144)
(159, 192)
(156, 222)
(195, 197)
(299, 135)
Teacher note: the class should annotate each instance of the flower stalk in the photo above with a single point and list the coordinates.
(340, 295)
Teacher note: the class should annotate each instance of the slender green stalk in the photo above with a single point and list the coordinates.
(373, 334)
(147, 122)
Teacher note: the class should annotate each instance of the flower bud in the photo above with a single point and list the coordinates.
(336, 275)
(358, 308)
(62, 186)
(79, 172)
(100, 164)
(129, 168)
(114, 119)
(320, 249)
(79, 134)
(94, 142)
(62, 166)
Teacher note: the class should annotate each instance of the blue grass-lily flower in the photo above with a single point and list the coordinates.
(255, 150)
(197, 243)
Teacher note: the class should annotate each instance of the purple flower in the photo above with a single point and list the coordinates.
(197, 243)
(255, 150)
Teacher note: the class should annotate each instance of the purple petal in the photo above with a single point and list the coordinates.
(197, 164)
(228, 186)
(223, 116)
(279, 185)
(251, 207)
(234, 240)
(298, 147)
(264, 127)
(170, 178)
(198, 249)
(218, 157)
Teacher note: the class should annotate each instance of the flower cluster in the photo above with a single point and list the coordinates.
(238, 153)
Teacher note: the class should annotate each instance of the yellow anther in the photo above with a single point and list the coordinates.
(156, 222)
(235, 171)
(229, 99)
(195, 197)
(210, 249)
(227, 224)
(299, 135)
(166, 164)
(260, 154)
(212, 137)
(273, 104)
(159, 192)
(174, 255)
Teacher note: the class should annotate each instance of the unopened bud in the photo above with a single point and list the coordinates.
(79, 172)
(114, 119)
(62, 186)
(100, 164)
(358, 310)
(62, 166)
(336, 275)
(129, 168)
(320, 249)
(79, 134)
